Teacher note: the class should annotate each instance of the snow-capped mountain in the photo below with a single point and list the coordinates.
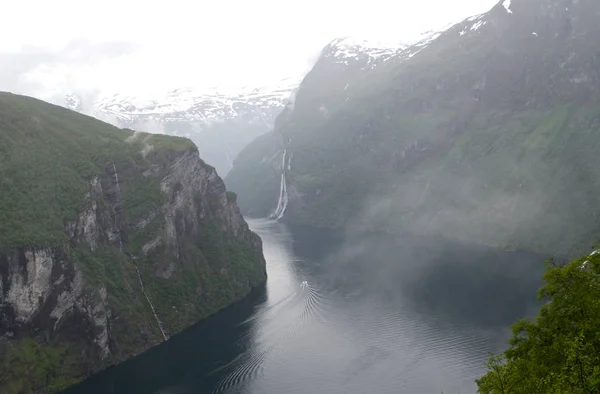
(370, 54)
(367, 55)
(427, 139)
(223, 121)
(220, 121)
(190, 105)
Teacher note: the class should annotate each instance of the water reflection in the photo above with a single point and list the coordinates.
(346, 314)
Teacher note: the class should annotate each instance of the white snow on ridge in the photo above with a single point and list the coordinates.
(475, 17)
(426, 39)
(203, 105)
(477, 25)
(370, 53)
(506, 4)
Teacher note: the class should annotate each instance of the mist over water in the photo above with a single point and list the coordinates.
(340, 314)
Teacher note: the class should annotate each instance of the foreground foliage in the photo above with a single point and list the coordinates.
(29, 367)
(559, 352)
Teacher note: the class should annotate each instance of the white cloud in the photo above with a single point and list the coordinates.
(201, 43)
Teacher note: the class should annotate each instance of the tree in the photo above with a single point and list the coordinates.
(29, 367)
(558, 352)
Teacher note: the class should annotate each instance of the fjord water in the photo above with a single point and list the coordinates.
(346, 314)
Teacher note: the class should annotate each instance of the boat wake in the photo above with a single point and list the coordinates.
(279, 323)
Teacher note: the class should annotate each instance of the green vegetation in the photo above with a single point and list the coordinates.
(223, 270)
(525, 180)
(28, 367)
(107, 266)
(466, 139)
(48, 156)
(231, 197)
(141, 197)
(558, 352)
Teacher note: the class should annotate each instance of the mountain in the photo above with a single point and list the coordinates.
(485, 132)
(220, 123)
(111, 241)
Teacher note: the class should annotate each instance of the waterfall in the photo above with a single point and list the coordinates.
(158, 322)
(229, 158)
(119, 200)
(115, 224)
(282, 203)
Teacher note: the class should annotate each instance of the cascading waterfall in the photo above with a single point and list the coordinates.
(229, 157)
(282, 203)
(119, 232)
(158, 322)
(119, 197)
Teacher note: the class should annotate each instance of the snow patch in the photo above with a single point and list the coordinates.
(475, 17)
(192, 104)
(506, 5)
(477, 25)
(367, 54)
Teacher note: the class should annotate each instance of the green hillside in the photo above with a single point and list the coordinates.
(48, 156)
(487, 133)
(111, 241)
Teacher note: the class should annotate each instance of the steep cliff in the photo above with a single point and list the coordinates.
(485, 132)
(111, 241)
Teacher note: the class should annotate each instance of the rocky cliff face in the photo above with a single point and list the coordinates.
(155, 244)
(484, 132)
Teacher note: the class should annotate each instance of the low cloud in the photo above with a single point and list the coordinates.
(146, 147)
(44, 72)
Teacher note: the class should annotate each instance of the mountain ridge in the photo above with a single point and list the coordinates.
(430, 140)
(219, 121)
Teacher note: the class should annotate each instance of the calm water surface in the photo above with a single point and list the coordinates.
(346, 315)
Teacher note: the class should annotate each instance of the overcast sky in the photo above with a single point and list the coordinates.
(135, 46)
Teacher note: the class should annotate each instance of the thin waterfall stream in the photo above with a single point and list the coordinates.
(158, 322)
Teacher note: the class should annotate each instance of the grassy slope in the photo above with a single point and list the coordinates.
(524, 178)
(529, 178)
(48, 155)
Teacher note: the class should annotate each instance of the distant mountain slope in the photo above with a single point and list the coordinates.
(220, 123)
(487, 132)
(110, 242)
